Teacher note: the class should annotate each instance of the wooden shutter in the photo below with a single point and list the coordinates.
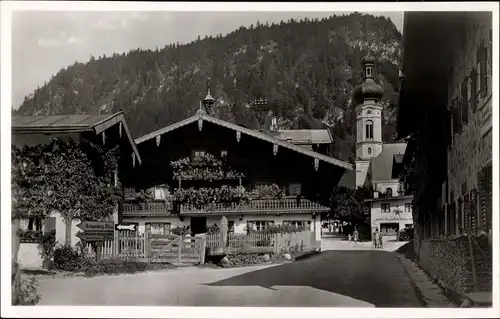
(485, 197)
(49, 224)
(464, 105)
(467, 224)
(473, 211)
(473, 90)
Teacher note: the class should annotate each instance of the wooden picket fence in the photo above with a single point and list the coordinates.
(153, 248)
(188, 249)
(261, 243)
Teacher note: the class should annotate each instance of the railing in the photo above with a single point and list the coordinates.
(146, 209)
(258, 205)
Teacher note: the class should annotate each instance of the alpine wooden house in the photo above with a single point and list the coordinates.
(203, 168)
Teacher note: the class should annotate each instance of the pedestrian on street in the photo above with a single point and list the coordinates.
(356, 235)
(350, 237)
(375, 238)
(380, 241)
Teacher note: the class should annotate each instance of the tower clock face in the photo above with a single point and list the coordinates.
(369, 112)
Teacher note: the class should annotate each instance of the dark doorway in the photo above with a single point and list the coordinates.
(198, 225)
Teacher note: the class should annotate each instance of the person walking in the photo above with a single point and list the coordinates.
(380, 241)
(375, 238)
(356, 235)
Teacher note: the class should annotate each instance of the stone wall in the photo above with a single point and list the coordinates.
(449, 261)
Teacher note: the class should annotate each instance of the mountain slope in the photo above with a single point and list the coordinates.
(306, 70)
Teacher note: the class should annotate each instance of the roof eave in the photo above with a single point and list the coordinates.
(256, 134)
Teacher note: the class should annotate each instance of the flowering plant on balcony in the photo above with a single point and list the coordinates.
(206, 198)
(206, 167)
(268, 191)
(144, 196)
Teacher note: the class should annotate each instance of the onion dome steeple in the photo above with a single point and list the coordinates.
(368, 89)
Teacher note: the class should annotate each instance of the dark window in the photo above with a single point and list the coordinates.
(388, 192)
(483, 73)
(369, 129)
(294, 189)
(35, 223)
(386, 208)
(197, 153)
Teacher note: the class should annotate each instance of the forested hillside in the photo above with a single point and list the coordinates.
(305, 69)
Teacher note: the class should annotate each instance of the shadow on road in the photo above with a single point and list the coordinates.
(376, 277)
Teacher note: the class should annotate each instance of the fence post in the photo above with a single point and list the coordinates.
(146, 245)
(181, 240)
(203, 245)
(276, 235)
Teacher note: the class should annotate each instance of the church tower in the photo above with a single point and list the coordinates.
(368, 120)
(368, 114)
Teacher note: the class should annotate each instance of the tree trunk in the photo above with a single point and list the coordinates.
(16, 270)
(68, 221)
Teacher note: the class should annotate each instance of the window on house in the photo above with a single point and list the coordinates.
(129, 192)
(407, 207)
(306, 225)
(369, 150)
(197, 153)
(386, 207)
(294, 189)
(388, 192)
(35, 223)
(259, 225)
(369, 129)
(158, 228)
(481, 56)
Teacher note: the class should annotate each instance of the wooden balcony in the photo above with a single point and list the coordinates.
(156, 208)
(258, 206)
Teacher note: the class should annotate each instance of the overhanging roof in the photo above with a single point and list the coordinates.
(61, 124)
(203, 116)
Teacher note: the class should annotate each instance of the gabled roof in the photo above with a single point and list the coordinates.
(53, 124)
(381, 166)
(321, 136)
(203, 116)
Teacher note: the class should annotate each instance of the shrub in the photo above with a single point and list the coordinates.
(46, 246)
(67, 258)
(29, 292)
(180, 231)
(114, 266)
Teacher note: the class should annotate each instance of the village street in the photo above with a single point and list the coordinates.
(352, 275)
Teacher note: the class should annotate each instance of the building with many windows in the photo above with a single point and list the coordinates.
(445, 109)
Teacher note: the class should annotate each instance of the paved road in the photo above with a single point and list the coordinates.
(344, 278)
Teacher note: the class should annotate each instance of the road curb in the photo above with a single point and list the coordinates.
(429, 293)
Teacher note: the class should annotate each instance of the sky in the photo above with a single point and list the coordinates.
(43, 42)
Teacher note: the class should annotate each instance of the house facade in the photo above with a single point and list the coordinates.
(445, 110)
(390, 214)
(263, 160)
(104, 130)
